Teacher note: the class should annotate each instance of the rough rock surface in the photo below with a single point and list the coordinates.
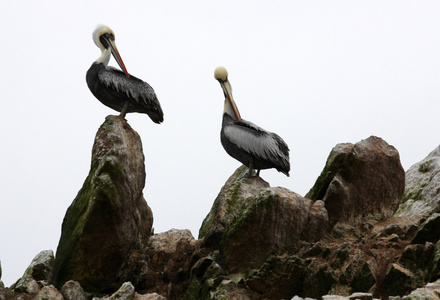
(370, 256)
(422, 189)
(170, 255)
(108, 224)
(249, 221)
(72, 290)
(364, 180)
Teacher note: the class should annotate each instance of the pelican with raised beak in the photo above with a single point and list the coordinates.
(253, 146)
(118, 89)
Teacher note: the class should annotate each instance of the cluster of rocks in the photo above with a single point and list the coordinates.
(257, 242)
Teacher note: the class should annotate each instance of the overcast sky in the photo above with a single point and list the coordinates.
(317, 73)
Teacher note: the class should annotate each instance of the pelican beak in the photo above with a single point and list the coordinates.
(117, 56)
(227, 90)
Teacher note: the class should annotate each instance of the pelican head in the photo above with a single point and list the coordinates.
(230, 107)
(104, 38)
(221, 74)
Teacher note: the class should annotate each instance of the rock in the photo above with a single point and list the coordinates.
(72, 290)
(429, 231)
(422, 187)
(365, 180)
(250, 221)
(150, 296)
(418, 259)
(170, 256)
(429, 292)
(364, 279)
(125, 292)
(26, 284)
(41, 266)
(228, 289)
(398, 281)
(49, 292)
(361, 296)
(106, 229)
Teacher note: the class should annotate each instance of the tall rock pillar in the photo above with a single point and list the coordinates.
(106, 229)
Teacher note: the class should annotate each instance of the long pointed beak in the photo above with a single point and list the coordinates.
(117, 57)
(227, 90)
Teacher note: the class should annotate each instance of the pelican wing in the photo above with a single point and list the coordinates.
(132, 87)
(255, 140)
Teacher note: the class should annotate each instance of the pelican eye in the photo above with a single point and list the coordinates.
(105, 38)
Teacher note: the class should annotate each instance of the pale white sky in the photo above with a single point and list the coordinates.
(317, 73)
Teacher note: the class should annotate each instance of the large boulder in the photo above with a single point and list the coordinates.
(364, 180)
(422, 188)
(106, 229)
(250, 220)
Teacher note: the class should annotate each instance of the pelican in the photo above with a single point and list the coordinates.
(118, 89)
(253, 146)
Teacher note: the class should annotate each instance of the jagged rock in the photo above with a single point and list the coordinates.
(49, 292)
(364, 280)
(26, 284)
(125, 292)
(399, 281)
(429, 292)
(418, 259)
(422, 187)
(150, 296)
(72, 290)
(41, 266)
(107, 227)
(359, 181)
(40, 269)
(250, 220)
(170, 255)
(229, 289)
(429, 231)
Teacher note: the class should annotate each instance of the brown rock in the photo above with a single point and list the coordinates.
(250, 220)
(365, 180)
(107, 227)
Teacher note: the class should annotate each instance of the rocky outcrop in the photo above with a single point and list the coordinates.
(249, 221)
(364, 180)
(262, 242)
(106, 229)
(422, 188)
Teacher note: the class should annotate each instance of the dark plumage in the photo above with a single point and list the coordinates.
(253, 146)
(118, 89)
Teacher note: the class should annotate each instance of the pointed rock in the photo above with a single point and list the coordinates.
(72, 290)
(422, 187)
(107, 227)
(250, 220)
(361, 180)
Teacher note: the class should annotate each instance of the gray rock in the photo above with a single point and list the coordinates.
(429, 292)
(72, 290)
(49, 292)
(422, 187)
(125, 292)
(364, 180)
(149, 296)
(41, 266)
(26, 284)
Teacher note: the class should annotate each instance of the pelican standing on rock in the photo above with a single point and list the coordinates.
(118, 89)
(253, 146)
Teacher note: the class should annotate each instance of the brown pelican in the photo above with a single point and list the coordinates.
(253, 146)
(118, 89)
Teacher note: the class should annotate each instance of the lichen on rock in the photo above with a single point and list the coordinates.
(109, 222)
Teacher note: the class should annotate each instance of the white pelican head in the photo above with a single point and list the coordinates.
(104, 38)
